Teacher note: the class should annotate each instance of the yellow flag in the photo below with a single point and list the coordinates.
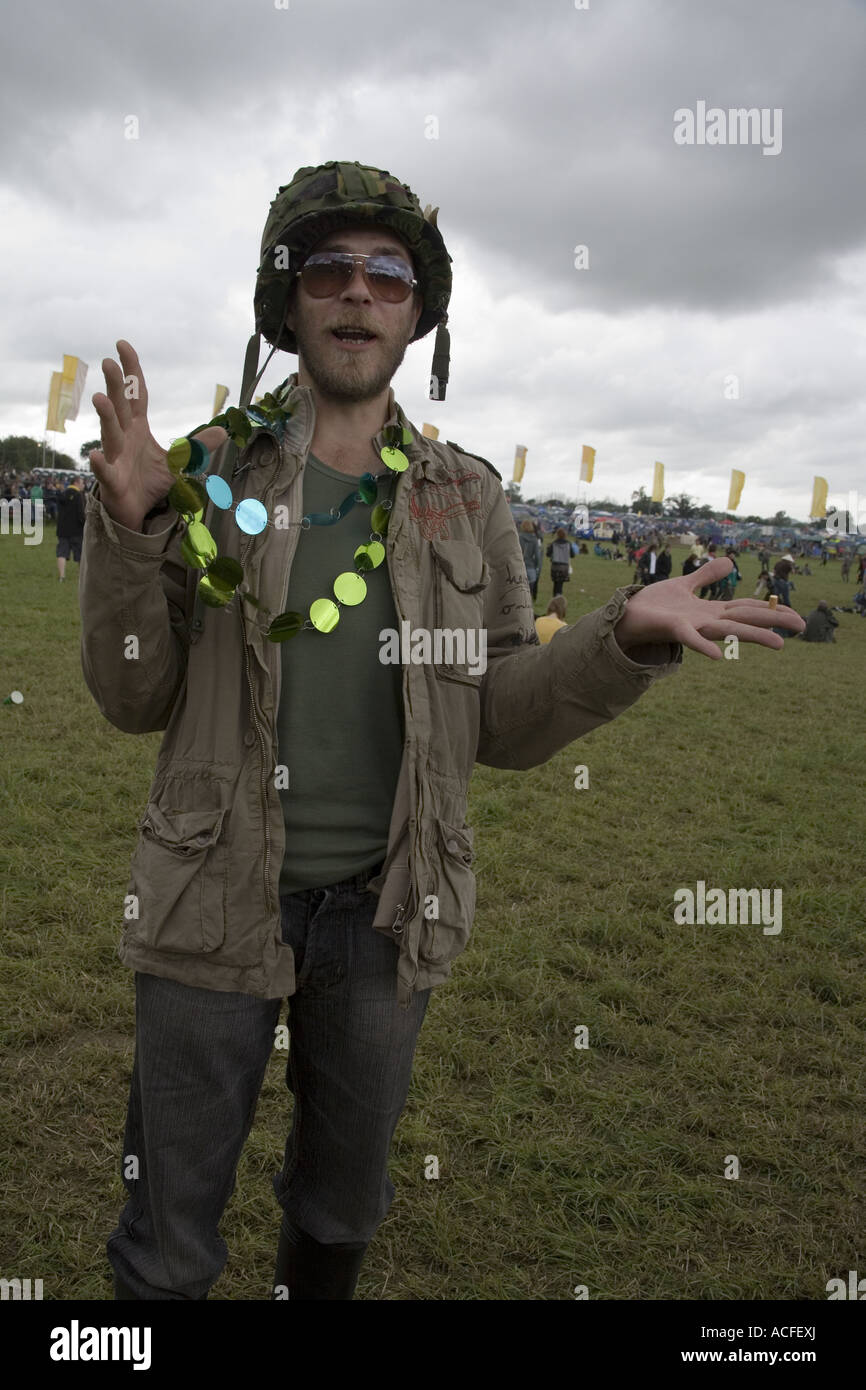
(819, 499)
(219, 399)
(659, 483)
(74, 374)
(519, 462)
(587, 464)
(737, 480)
(65, 391)
(56, 404)
(430, 431)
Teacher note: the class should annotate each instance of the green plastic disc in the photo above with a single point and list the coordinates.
(373, 553)
(198, 546)
(379, 518)
(395, 459)
(179, 455)
(214, 594)
(350, 588)
(324, 614)
(188, 496)
(284, 626)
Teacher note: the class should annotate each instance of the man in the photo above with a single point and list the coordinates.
(70, 526)
(305, 833)
(663, 564)
(820, 625)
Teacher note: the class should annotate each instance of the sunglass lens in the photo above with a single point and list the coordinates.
(327, 277)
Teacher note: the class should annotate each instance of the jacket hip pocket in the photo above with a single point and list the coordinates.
(449, 913)
(178, 874)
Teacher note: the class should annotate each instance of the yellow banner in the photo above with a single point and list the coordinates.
(220, 398)
(736, 491)
(519, 462)
(587, 464)
(56, 404)
(658, 483)
(430, 431)
(819, 499)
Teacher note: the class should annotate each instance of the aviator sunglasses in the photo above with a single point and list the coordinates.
(328, 272)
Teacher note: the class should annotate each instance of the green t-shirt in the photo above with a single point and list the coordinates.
(340, 720)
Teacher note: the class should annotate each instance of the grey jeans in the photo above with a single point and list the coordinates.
(200, 1058)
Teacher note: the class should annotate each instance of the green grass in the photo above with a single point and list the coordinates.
(559, 1166)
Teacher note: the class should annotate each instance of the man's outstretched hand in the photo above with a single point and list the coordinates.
(670, 611)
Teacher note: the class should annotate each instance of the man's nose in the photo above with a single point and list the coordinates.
(357, 287)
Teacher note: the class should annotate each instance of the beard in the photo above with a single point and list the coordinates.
(354, 378)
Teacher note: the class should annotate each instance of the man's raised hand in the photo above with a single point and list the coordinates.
(670, 611)
(131, 467)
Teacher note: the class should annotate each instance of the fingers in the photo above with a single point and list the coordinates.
(112, 434)
(132, 369)
(761, 615)
(212, 438)
(114, 386)
(747, 633)
(707, 574)
(689, 636)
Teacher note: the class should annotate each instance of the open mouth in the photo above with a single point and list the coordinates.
(355, 337)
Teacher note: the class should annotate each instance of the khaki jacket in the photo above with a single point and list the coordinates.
(205, 870)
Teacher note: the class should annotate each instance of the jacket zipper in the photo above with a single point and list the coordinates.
(397, 926)
(264, 791)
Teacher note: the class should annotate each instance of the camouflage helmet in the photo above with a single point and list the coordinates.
(317, 201)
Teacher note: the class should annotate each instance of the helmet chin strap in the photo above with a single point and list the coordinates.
(441, 362)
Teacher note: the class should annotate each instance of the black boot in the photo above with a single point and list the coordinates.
(306, 1269)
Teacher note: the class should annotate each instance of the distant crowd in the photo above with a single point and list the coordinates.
(63, 504)
(652, 560)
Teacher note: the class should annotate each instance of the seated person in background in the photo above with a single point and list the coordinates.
(553, 620)
(820, 625)
(860, 603)
(764, 587)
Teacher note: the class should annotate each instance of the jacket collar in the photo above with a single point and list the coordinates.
(300, 427)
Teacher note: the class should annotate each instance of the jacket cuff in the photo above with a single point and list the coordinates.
(646, 658)
(150, 541)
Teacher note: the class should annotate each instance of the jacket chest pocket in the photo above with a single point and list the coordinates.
(461, 577)
(178, 873)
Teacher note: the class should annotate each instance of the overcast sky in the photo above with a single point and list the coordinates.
(556, 128)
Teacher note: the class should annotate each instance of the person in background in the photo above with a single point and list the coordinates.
(726, 588)
(553, 620)
(820, 625)
(861, 569)
(709, 589)
(559, 553)
(781, 585)
(647, 565)
(531, 548)
(764, 586)
(846, 568)
(691, 563)
(664, 563)
(70, 526)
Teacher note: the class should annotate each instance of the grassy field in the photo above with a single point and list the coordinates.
(601, 1166)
